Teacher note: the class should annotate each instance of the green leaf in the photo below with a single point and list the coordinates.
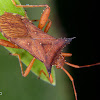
(7, 6)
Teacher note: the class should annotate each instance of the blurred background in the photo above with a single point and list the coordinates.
(69, 19)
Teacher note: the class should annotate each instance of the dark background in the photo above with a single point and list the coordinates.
(81, 19)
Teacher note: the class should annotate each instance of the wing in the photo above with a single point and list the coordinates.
(32, 46)
(12, 25)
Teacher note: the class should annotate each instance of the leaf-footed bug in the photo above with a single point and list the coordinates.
(21, 33)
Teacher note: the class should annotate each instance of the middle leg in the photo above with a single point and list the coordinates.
(28, 68)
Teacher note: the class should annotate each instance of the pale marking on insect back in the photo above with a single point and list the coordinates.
(28, 43)
(14, 14)
(22, 17)
(35, 32)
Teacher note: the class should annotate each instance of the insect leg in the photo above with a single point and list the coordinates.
(28, 6)
(76, 66)
(47, 26)
(49, 78)
(28, 68)
(8, 44)
(72, 80)
(66, 54)
(90, 65)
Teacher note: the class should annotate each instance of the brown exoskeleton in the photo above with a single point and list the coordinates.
(22, 33)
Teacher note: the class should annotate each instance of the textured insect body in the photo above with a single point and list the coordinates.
(22, 32)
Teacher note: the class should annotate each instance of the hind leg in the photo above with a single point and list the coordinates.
(44, 16)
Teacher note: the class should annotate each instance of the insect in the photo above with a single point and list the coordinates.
(23, 34)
